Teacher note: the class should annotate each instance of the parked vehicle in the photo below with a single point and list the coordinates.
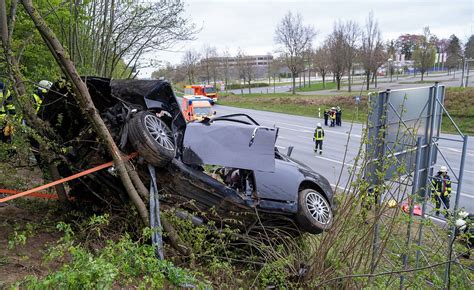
(202, 90)
(196, 108)
(249, 174)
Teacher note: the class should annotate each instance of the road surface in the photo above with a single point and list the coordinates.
(298, 131)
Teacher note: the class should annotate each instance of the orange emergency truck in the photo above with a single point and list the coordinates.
(196, 108)
(202, 90)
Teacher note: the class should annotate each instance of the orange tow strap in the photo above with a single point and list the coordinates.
(36, 194)
(66, 179)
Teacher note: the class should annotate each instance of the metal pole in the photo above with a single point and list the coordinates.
(463, 68)
(455, 209)
(155, 221)
(466, 84)
(378, 200)
(428, 169)
(414, 191)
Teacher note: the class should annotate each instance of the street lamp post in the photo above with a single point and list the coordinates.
(390, 63)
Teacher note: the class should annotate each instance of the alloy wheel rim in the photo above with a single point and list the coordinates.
(318, 207)
(159, 132)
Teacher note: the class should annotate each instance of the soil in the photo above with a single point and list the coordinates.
(27, 259)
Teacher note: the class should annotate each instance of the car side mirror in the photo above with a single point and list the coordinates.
(289, 151)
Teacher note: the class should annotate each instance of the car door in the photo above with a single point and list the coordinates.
(281, 184)
(230, 144)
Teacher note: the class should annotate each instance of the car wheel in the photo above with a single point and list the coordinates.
(152, 138)
(314, 211)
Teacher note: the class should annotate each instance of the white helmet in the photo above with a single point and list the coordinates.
(443, 169)
(319, 124)
(44, 84)
(460, 224)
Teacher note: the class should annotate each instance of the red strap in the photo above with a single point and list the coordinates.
(69, 178)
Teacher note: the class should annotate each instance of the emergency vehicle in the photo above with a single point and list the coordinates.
(196, 108)
(202, 90)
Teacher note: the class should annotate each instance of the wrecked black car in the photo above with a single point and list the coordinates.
(228, 164)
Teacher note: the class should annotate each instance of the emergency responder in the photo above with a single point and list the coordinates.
(326, 117)
(441, 189)
(41, 90)
(338, 116)
(464, 231)
(332, 116)
(318, 139)
(6, 108)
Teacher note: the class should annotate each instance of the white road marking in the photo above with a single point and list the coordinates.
(309, 129)
(335, 161)
(280, 147)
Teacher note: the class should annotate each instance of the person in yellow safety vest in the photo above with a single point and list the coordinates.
(6, 108)
(332, 116)
(441, 188)
(318, 139)
(41, 90)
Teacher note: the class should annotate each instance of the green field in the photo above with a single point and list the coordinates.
(459, 102)
(317, 87)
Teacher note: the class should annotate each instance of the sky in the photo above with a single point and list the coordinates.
(250, 24)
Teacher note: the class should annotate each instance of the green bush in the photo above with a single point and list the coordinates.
(245, 86)
(124, 263)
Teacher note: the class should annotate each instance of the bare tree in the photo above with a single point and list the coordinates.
(372, 48)
(190, 62)
(119, 32)
(336, 45)
(454, 52)
(322, 61)
(208, 62)
(351, 35)
(225, 68)
(274, 69)
(294, 38)
(246, 69)
(425, 53)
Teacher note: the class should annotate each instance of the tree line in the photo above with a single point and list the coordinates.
(349, 49)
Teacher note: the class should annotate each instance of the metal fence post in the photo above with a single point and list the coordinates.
(428, 168)
(455, 209)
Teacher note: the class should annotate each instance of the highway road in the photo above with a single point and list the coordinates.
(407, 81)
(340, 148)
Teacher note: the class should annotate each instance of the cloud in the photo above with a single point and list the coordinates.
(250, 25)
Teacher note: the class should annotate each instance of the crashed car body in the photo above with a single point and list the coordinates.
(248, 174)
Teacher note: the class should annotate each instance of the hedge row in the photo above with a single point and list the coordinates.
(245, 86)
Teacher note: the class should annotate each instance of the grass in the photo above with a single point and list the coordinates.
(459, 103)
(318, 87)
(297, 104)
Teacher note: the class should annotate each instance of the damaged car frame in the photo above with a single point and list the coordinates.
(228, 164)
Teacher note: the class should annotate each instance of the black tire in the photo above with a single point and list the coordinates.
(152, 138)
(314, 211)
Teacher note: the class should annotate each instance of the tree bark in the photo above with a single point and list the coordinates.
(367, 74)
(85, 102)
(294, 82)
(349, 81)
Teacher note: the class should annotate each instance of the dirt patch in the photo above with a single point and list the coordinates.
(18, 260)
